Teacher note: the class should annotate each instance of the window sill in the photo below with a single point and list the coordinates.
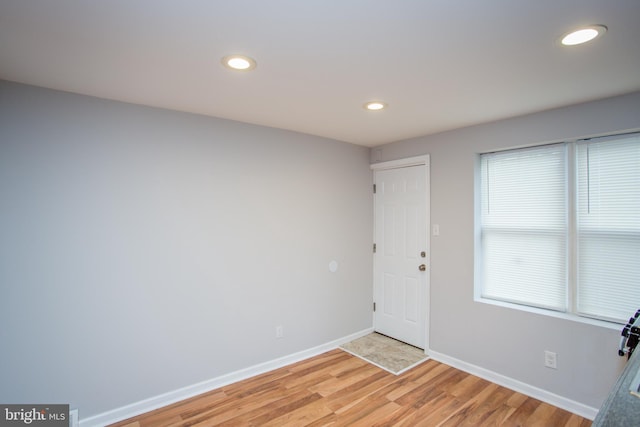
(557, 314)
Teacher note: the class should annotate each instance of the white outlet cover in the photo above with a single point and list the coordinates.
(550, 359)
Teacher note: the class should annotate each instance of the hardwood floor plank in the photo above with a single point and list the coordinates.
(326, 421)
(498, 416)
(254, 384)
(394, 418)
(285, 410)
(516, 399)
(309, 382)
(172, 414)
(559, 417)
(489, 411)
(522, 412)
(439, 405)
(475, 411)
(422, 391)
(329, 364)
(239, 405)
(474, 389)
(420, 374)
(335, 385)
(541, 416)
(266, 410)
(450, 407)
(332, 355)
(338, 389)
(345, 396)
(380, 412)
(301, 416)
(364, 409)
(500, 396)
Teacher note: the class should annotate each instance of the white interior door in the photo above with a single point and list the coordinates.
(401, 258)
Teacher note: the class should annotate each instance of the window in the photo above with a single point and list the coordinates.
(560, 227)
(608, 228)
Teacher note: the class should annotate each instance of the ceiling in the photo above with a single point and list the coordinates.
(439, 64)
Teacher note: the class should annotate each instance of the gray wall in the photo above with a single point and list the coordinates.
(143, 250)
(503, 340)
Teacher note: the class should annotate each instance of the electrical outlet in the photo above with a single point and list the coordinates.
(550, 359)
(279, 332)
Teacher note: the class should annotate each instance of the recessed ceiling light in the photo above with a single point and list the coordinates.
(239, 62)
(583, 35)
(375, 105)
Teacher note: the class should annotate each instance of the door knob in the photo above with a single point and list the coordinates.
(422, 267)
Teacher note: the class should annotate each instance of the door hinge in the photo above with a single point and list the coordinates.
(374, 248)
(374, 189)
(374, 306)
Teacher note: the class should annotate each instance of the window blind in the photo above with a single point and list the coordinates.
(608, 227)
(524, 226)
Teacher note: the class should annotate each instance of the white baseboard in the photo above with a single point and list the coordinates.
(165, 399)
(535, 392)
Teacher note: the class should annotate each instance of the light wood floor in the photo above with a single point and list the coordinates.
(338, 389)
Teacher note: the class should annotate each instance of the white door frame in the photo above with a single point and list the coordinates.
(423, 160)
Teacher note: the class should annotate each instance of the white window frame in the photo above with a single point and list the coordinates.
(571, 312)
